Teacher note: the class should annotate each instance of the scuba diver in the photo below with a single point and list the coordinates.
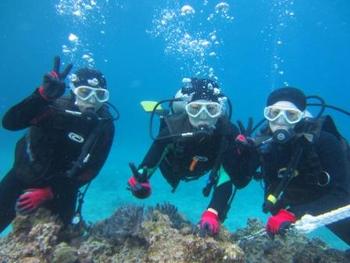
(304, 163)
(195, 137)
(66, 144)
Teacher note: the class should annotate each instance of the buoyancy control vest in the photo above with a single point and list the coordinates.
(37, 157)
(307, 135)
(173, 167)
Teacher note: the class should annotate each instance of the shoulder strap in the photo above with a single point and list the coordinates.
(328, 125)
(213, 175)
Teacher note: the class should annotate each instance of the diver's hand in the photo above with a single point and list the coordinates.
(138, 184)
(32, 199)
(53, 85)
(279, 223)
(210, 222)
(244, 143)
(139, 190)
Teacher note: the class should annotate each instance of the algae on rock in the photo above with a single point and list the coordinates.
(156, 234)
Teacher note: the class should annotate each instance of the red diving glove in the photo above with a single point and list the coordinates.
(279, 223)
(138, 183)
(139, 190)
(210, 222)
(32, 199)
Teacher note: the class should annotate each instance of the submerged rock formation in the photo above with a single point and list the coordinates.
(292, 247)
(131, 234)
(158, 234)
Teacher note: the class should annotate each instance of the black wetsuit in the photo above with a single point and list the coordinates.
(48, 151)
(309, 192)
(189, 158)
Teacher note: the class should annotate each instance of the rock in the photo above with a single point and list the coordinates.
(186, 231)
(169, 243)
(158, 234)
(293, 247)
(30, 260)
(64, 254)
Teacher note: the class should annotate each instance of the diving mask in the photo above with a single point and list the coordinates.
(290, 115)
(195, 108)
(86, 92)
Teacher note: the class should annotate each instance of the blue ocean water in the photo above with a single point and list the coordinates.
(145, 48)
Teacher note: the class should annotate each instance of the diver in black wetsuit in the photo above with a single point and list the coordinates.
(304, 163)
(191, 143)
(66, 144)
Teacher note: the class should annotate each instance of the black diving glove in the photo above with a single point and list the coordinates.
(53, 85)
(244, 143)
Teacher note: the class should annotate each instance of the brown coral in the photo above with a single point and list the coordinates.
(136, 234)
(293, 247)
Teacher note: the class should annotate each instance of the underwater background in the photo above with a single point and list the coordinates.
(146, 47)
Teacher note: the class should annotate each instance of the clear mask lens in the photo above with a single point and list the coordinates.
(85, 92)
(194, 109)
(291, 115)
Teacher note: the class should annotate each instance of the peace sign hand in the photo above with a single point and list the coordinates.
(53, 83)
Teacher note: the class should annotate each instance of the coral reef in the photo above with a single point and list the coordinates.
(156, 234)
(32, 239)
(177, 220)
(131, 234)
(124, 224)
(292, 247)
(64, 254)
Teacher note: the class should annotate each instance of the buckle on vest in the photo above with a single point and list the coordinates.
(282, 173)
(195, 160)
